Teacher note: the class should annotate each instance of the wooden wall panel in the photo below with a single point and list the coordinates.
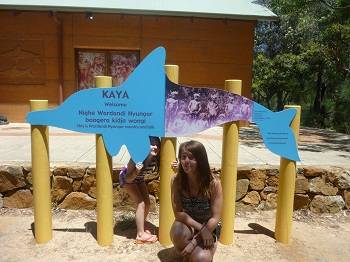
(201, 51)
(69, 88)
(214, 75)
(208, 51)
(16, 112)
(69, 69)
(106, 25)
(51, 46)
(51, 68)
(197, 28)
(67, 21)
(23, 93)
(24, 23)
(33, 38)
(22, 62)
(68, 46)
(106, 42)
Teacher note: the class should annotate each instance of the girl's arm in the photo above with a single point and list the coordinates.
(132, 170)
(149, 159)
(180, 215)
(216, 204)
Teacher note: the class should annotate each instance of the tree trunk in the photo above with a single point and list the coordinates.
(318, 107)
(280, 104)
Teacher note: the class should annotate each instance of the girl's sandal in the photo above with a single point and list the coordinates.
(148, 240)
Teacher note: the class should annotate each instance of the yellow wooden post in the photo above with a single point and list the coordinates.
(104, 186)
(229, 170)
(286, 189)
(167, 156)
(41, 177)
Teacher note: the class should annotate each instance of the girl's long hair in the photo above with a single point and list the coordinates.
(155, 141)
(204, 174)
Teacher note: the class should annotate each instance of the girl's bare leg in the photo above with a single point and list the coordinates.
(180, 235)
(199, 254)
(135, 194)
(145, 196)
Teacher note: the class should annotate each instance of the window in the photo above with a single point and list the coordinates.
(117, 64)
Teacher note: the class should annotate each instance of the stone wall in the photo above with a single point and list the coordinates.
(319, 189)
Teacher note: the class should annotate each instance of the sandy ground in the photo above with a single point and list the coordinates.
(314, 238)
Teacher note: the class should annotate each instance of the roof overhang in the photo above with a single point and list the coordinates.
(229, 9)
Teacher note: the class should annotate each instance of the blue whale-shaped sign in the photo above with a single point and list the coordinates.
(149, 104)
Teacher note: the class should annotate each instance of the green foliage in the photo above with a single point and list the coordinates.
(304, 58)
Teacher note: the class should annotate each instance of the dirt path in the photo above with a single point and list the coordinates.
(315, 238)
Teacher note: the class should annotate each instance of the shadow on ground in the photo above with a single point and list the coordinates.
(121, 228)
(310, 139)
(127, 228)
(89, 227)
(318, 140)
(169, 255)
(257, 229)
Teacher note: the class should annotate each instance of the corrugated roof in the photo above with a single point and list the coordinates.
(231, 9)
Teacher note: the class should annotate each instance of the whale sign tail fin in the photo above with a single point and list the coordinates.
(276, 132)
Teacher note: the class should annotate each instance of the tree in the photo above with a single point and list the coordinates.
(304, 58)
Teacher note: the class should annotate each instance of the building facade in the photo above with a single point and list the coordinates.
(51, 54)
